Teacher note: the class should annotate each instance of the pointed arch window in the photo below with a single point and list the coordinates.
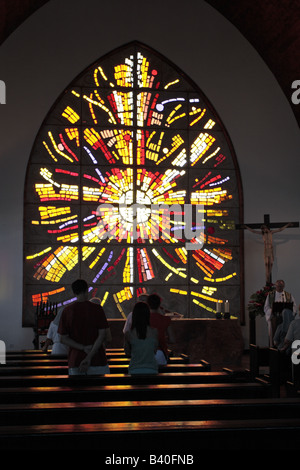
(130, 138)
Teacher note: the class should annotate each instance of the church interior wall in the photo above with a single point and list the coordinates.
(62, 38)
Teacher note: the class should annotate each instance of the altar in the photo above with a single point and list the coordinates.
(219, 342)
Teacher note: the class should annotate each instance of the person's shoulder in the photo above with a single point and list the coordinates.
(160, 317)
(68, 308)
(157, 315)
(93, 307)
(98, 312)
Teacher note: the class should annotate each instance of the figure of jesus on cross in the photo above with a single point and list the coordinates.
(267, 235)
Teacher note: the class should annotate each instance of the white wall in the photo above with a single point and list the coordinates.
(62, 38)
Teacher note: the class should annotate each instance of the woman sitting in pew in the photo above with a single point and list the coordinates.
(141, 342)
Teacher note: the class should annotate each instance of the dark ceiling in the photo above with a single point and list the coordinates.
(271, 26)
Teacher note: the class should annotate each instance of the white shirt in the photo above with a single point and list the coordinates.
(279, 297)
(57, 347)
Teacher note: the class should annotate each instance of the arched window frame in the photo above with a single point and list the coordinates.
(37, 237)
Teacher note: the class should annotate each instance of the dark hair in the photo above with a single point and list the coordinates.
(153, 301)
(79, 286)
(140, 319)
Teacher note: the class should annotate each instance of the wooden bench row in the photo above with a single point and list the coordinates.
(148, 438)
(63, 362)
(176, 391)
(60, 360)
(116, 379)
(147, 411)
(111, 354)
(7, 370)
(279, 369)
(34, 352)
(171, 410)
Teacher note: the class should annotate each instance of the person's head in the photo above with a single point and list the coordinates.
(79, 287)
(279, 285)
(264, 229)
(153, 301)
(140, 319)
(143, 297)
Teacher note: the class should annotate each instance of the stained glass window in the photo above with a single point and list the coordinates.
(133, 185)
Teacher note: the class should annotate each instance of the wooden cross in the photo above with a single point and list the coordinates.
(268, 224)
(267, 234)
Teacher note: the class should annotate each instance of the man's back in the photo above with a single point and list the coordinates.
(82, 321)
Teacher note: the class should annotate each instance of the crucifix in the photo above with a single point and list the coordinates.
(267, 235)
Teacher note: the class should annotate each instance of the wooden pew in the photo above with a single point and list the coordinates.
(54, 361)
(7, 369)
(39, 352)
(116, 379)
(208, 410)
(145, 411)
(292, 385)
(16, 359)
(110, 353)
(277, 363)
(259, 357)
(280, 370)
(180, 391)
(178, 437)
(54, 375)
